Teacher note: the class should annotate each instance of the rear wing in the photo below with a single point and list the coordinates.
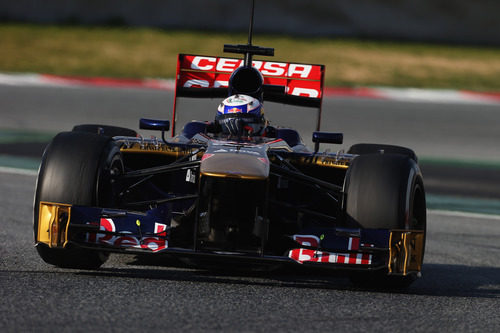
(288, 83)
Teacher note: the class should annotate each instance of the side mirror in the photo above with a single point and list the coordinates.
(326, 137)
(155, 125)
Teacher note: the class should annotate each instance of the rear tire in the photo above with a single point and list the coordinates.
(75, 169)
(105, 130)
(373, 148)
(385, 191)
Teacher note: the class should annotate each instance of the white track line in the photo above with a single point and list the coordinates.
(23, 80)
(17, 171)
(463, 214)
(434, 96)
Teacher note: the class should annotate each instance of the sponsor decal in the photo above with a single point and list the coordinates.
(237, 100)
(267, 68)
(146, 243)
(309, 255)
(195, 83)
(213, 72)
(307, 240)
(190, 176)
(234, 110)
(203, 63)
(244, 151)
(206, 155)
(353, 243)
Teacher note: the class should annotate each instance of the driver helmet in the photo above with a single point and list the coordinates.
(241, 115)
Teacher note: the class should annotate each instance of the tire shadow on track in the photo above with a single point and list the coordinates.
(438, 279)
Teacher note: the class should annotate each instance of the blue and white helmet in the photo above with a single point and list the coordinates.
(240, 104)
(241, 114)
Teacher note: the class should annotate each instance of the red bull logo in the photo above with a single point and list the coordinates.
(234, 110)
(146, 243)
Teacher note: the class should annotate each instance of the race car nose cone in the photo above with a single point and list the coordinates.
(235, 165)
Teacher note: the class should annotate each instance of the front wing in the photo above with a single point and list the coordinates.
(59, 225)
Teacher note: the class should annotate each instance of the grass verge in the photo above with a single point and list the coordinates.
(144, 52)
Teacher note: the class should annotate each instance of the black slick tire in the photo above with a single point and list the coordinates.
(384, 191)
(105, 130)
(74, 170)
(374, 148)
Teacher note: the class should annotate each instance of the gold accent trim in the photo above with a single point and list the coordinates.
(406, 251)
(53, 224)
(149, 151)
(227, 175)
(337, 166)
(341, 162)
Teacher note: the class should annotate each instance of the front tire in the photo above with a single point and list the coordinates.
(385, 191)
(75, 169)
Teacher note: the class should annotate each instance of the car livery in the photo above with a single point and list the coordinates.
(206, 196)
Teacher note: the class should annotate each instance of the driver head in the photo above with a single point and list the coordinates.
(241, 115)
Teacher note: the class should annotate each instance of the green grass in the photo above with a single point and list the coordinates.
(141, 52)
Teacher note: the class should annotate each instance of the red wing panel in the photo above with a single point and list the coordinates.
(302, 80)
(205, 76)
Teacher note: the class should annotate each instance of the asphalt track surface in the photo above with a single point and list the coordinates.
(459, 290)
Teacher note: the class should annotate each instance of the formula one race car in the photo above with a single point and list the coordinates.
(233, 190)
